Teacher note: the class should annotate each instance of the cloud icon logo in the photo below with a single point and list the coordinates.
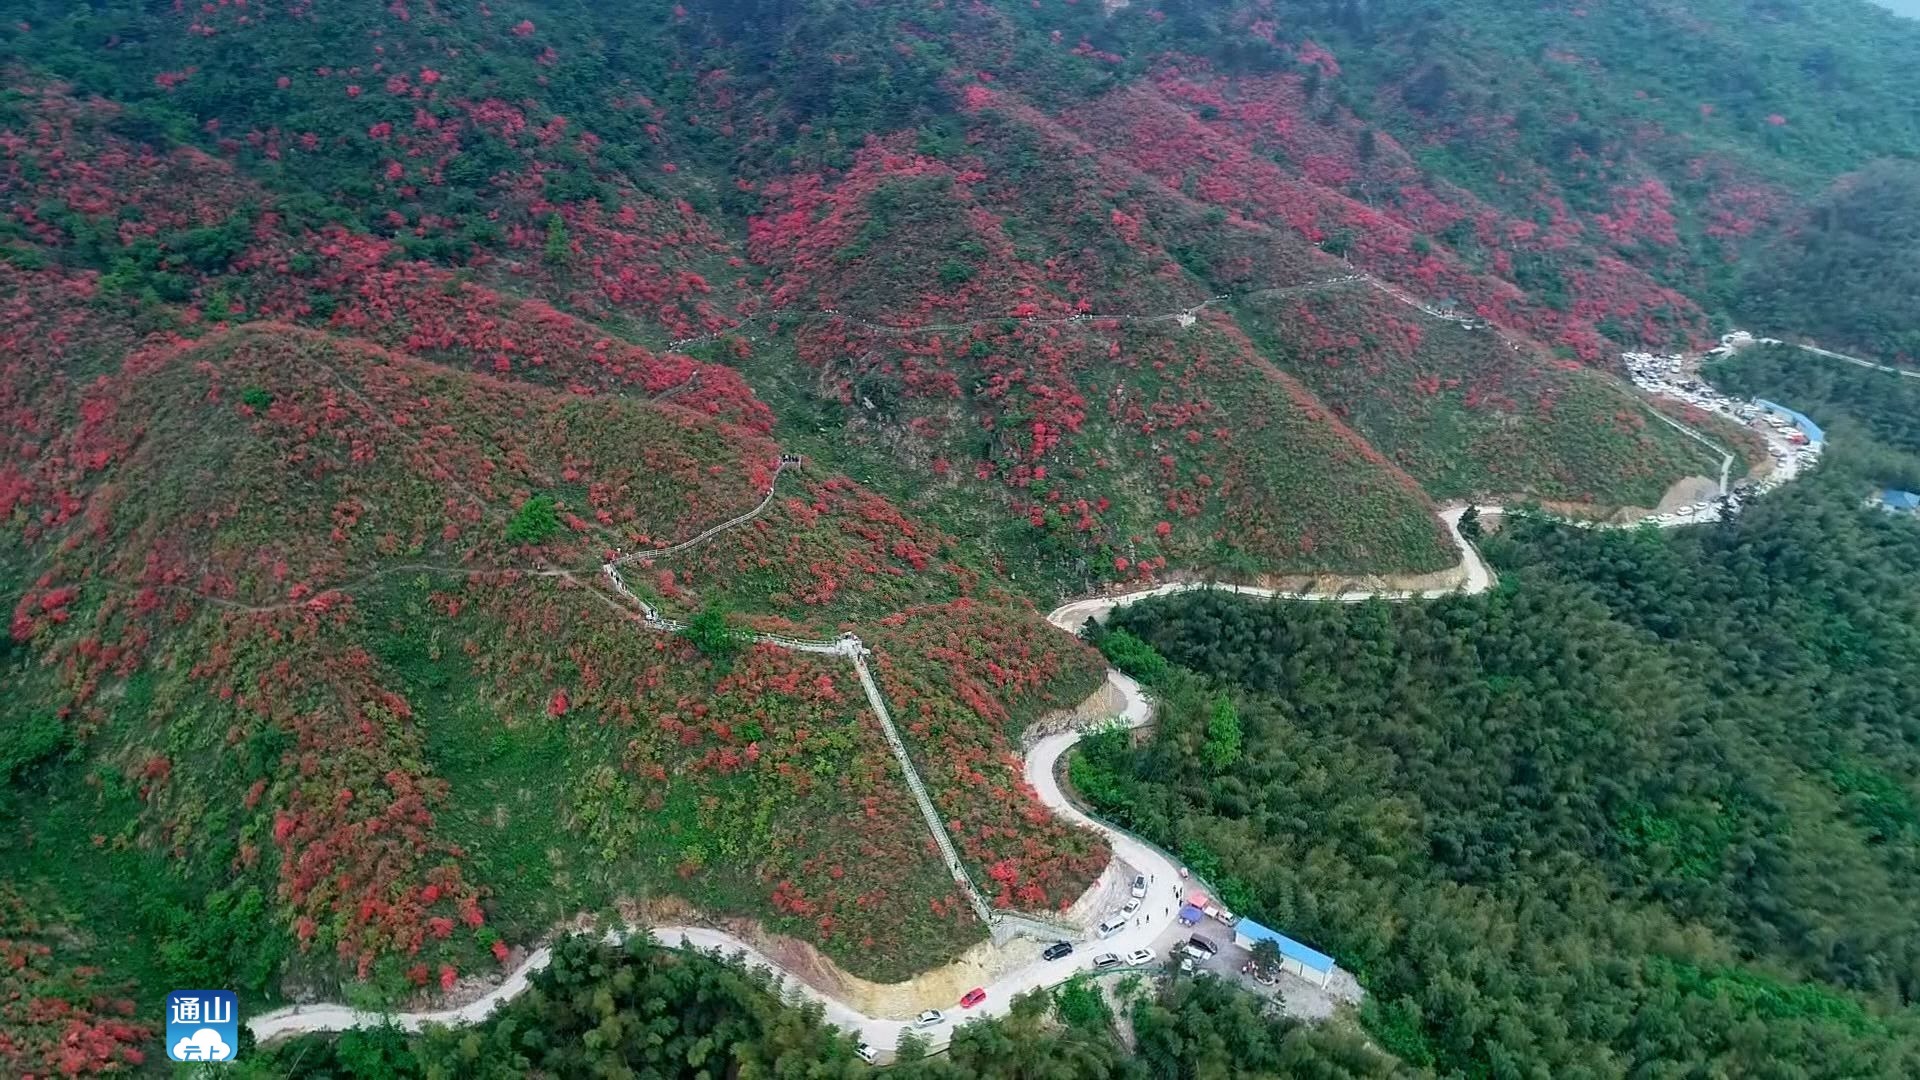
(203, 1045)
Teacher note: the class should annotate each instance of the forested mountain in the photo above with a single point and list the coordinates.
(1842, 271)
(739, 170)
(341, 344)
(1651, 804)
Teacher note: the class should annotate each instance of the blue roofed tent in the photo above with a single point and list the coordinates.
(1190, 914)
(1905, 502)
(1310, 964)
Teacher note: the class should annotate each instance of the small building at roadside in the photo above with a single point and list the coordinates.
(1296, 959)
(1810, 432)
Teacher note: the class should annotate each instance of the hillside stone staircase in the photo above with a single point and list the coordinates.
(941, 838)
(1001, 924)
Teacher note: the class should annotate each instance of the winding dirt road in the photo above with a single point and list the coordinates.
(1041, 766)
(1478, 578)
(883, 1033)
(300, 1019)
(1042, 760)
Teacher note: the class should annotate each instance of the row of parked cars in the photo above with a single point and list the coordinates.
(1060, 950)
(934, 1017)
(1136, 958)
(968, 1000)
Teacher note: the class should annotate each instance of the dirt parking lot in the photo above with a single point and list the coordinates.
(1295, 996)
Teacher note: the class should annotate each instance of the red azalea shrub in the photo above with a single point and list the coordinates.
(57, 1020)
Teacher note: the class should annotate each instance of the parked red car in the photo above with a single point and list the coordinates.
(972, 997)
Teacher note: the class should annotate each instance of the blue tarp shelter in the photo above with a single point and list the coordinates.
(1310, 964)
(1900, 502)
(1807, 427)
(1190, 914)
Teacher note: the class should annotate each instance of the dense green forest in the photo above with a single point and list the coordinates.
(1649, 807)
(1843, 272)
(640, 1010)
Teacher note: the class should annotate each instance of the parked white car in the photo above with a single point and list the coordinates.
(1140, 957)
(930, 1018)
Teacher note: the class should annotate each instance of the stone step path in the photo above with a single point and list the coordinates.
(941, 838)
(732, 522)
(851, 647)
(844, 645)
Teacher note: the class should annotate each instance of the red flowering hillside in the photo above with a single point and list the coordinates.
(1265, 156)
(964, 680)
(1434, 399)
(1114, 436)
(984, 229)
(824, 552)
(327, 408)
(590, 760)
(340, 345)
(317, 614)
(86, 195)
(1108, 392)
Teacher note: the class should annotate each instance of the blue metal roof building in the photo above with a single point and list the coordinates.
(1900, 502)
(1310, 964)
(1807, 427)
